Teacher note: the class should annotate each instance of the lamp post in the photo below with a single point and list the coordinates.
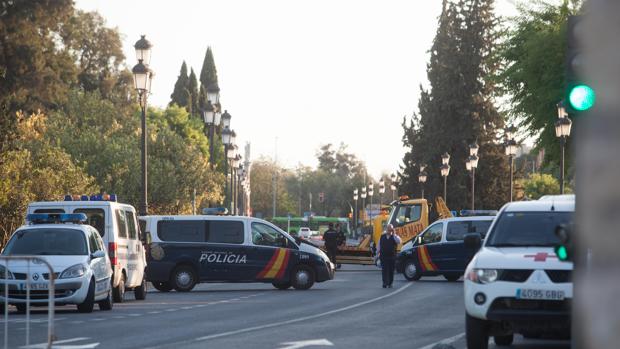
(511, 151)
(363, 203)
(562, 131)
(226, 139)
(370, 193)
(445, 171)
(143, 76)
(355, 213)
(393, 185)
(473, 162)
(212, 118)
(422, 179)
(381, 192)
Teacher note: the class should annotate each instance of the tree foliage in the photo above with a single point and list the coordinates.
(181, 95)
(538, 185)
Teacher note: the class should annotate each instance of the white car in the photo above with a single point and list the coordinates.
(515, 283)
(305, 232)
(81, 268)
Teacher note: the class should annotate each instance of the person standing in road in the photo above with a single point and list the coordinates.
(330, 237)
(341, 239)
(387, 254)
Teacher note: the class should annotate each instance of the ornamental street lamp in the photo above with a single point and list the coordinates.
(393, 185)
(211, 118)
(562, 131)
(511, 151)
(226, 119)
(422, 179)
(226, 139)
(355, 213)
(143, 76)
(471, 164)
(370, 193)
(213, 93)
(381, 192)
(445, 171)
(363, 203)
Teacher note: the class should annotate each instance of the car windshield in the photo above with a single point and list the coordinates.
(527, 229)
(47, 241)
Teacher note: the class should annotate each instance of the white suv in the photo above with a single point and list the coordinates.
(515, 283)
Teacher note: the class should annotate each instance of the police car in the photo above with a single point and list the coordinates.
(118, 226)
(439, 249)
(515, 283)
(81, 269)
(186, 250)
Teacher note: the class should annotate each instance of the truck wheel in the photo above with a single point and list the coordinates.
(183, 278)
(162, 286)
(503, 341)
(303, 277)
(281, 285)
(410, 271)
(477, 333)
(118, 292)
(89, 303)
(452, 277)
(107, 303)
(140, 291)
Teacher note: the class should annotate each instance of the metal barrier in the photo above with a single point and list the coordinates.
(16, 284)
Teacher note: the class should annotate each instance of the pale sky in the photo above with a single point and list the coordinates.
(305, 72)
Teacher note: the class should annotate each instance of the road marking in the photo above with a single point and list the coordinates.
(307, 343)
(155, 312)
(134, 315)
(72, 340)
(97, 319)
(446, 341)
(304, 318)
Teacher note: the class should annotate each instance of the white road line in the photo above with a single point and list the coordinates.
(446, 341)
(97, 319)
(305, 318)
(155, 312)
(134, 315)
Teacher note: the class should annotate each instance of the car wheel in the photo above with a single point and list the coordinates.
(503, 341)
(411, 272)
(162, 286)
(21, 308)
(477, 333)
(452, 277)
(303, 277)
(107, 303)
(281, 285)
(118, 292)
(89, 302)
(140, 291)
(183, 278)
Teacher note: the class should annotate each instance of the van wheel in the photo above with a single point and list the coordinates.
(162, 286)
(503, 341)
(21, 308)
(302, 278)
(107, 303)
(183, 278)
(89, 303)
(140, 291)
(452, 277)
(118, 292)
(411, 272)
(281, 285)
(477, 333)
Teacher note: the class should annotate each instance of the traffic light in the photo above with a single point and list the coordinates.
(564, 250)
(579, 94)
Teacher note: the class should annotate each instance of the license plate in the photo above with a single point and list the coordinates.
(527, 293)
(35, 286)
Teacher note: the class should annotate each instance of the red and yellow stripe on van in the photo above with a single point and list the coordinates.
(276, 267)
(425, 259)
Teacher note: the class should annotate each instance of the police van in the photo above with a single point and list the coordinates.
(186, 250)
(118, 227)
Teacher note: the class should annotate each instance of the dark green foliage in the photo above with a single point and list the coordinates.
(208, 72)
(193, 94)
(181, 95)
(458, 110)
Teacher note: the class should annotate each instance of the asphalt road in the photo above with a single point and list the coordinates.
(351, 311)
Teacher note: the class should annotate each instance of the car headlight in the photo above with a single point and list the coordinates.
(74, 271)
(482, 276)
(4, 272)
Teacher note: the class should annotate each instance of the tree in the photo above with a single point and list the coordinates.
(261, 182)
(193, 94)
(538, 185)
(208, 72)
(181, 94)
(532, 74)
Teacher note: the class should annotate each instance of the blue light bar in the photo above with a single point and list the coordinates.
(215, 211)
(52, 218)
(97, 197)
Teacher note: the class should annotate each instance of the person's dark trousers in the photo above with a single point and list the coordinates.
(387, 269)
(331, 253)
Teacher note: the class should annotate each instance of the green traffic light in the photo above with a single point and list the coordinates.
(582, 97)
(561, 252)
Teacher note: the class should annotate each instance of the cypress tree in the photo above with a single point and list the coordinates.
(180, 95)
(193, 93)
(208, 75)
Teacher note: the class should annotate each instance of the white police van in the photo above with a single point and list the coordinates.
(515, 283)
(186, 250)
(118, 226)
(81, 269)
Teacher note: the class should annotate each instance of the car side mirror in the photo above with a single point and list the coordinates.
(473, 241)
(97, 254)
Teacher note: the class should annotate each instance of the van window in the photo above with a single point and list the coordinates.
(121, 224)
(131, 224)
(49, 210)
(433, 234)
(264, 235)
(458, 229)
(96, 218)
(92, 241)
(225, 232)
(181, 231)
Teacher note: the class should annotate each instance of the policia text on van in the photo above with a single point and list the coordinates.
(185, 250)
